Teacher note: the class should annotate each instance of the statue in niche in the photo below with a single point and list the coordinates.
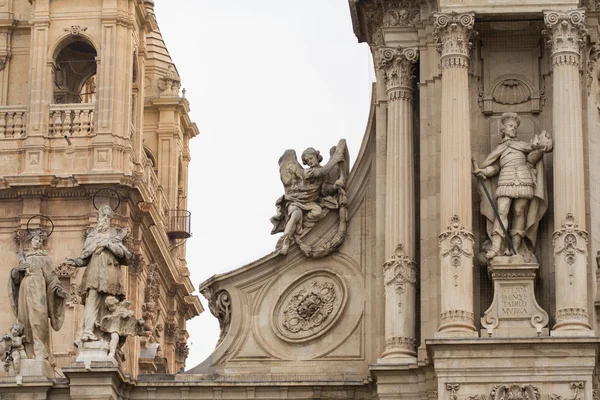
(13, 349)
(118, 323)
(519, 190)
(309, 195)
(103, 254)
(36, 295)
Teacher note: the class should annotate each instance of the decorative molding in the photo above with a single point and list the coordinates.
(219, 304)
(453, 389)
(75, 30)
(398, 271)
(400, 342)
(453, 33)
(398, 65)
(456, 316)
(309, 307)
(570, 314)
(592, 58)
(456, 243)
(566, 33)
(570, 240)
(577, 387)
(400, 17)
(513, 275)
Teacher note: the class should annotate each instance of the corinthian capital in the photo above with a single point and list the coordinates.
(398, 65)
(452, 33)
(566, 33)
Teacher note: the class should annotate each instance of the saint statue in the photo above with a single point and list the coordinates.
(309, 194)
(36, 295)
(103, 254)
(519, 190)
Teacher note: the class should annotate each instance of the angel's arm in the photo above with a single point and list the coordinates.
(336, 158)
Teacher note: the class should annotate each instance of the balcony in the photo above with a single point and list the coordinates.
(179, 224)
(75, 119)
(12, 121)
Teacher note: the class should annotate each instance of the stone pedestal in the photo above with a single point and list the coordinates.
(95, 352)
(514, 312)
(37, 370)
(102, 382)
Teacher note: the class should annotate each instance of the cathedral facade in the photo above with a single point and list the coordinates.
(457, 259)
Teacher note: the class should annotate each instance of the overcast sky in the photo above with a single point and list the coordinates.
(261, 76)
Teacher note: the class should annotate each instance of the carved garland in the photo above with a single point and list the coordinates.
(519, 392)
(398, 271)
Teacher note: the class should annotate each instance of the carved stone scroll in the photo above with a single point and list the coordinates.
(219, 304)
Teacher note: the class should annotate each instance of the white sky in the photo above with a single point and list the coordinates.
(261, 76)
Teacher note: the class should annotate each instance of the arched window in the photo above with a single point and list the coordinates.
(75, 74)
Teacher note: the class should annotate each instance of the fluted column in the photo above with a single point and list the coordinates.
(400, 272)
(566, 33)
(452, 33)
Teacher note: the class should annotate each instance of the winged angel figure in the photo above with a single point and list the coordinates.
(309, 194)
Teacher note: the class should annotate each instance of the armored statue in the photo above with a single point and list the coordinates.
(518, 188)
(36, 296)
(309, 195)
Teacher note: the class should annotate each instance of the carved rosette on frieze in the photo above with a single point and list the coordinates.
(566, 33)
(398, 66)
(398, 271)
(309, 307)
(453, 33)
(219, 304)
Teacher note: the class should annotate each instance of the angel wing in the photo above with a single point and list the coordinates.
(340, 172)
(290, 169)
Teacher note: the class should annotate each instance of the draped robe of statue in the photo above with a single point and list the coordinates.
(517, 178)
(103, 254)
(33, 296)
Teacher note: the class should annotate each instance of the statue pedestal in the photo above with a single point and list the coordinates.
(514, 311)
(97, 352)
(32, 368)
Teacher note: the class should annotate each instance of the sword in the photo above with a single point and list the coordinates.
(509, 242)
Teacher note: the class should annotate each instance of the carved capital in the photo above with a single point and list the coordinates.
(453, 33)
(566, 32)
(398, 271)
(570, 241)
(398, 65)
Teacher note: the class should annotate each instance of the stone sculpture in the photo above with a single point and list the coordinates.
(119, 323)
(519, 189)
(309, 196)
(13, 349)
(36, 295)
(103, 254)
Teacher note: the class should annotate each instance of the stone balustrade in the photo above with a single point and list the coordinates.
(12, 121)
(72, 119)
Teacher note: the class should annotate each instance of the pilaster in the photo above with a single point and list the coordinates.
(566, 33)
(453, 33)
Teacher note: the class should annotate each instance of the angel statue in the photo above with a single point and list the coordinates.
(309, 195)
(519, 190)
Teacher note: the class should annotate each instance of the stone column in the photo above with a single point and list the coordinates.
(452, 33)
(566, 33)
(400, 272)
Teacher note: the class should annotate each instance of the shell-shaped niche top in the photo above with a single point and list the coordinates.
(309, 307)
(511, 91)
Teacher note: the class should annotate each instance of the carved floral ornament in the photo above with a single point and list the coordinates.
(398, 271)
(309, 307)
(453, 33)
(566, 33)
(456, 243)
(570, 240)
(592, 59)
(516, 392)
(398, 66)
